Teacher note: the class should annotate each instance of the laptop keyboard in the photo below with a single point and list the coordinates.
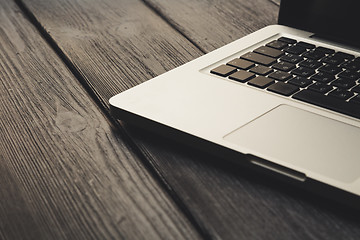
(300, 70)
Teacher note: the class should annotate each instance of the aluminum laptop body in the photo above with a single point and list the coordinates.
(308, 145)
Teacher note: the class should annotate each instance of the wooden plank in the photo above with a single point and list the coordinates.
(113, 44)
(212, 24)
(226, 204)
(65, 172)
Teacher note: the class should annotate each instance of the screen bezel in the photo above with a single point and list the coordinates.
(337, 32)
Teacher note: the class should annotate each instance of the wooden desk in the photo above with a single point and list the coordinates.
(70, 171)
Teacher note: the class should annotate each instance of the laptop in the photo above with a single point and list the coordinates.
(284, 99)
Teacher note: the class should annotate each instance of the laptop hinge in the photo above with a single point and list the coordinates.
(335, 41)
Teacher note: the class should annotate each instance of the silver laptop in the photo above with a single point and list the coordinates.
(285, 99)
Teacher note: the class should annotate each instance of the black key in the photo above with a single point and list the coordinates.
(330, 69)
(295, 49)
(240, 63)
(333, 60)
(355, 99)
(316, 55)
(351, 65)
(283, 66)
(306, 45)
(275, 53)
(287, 40)
(223, 70)
(277, 44)
(261, 82)
(350, 75)
(291, 58)
(356, 89)
(320, 87)
(341, 106)
(325, 50)
(323, 77)
(300, 81)
(344, 55)
(343, 83)
(341, 94)
(242, 76)
(310, 63)
(280, 76)
(258, 58)
(283, 88)
(261, 70)
(303, 71)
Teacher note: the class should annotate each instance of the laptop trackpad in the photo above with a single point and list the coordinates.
(303, 139)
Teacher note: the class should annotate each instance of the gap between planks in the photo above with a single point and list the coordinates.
(173, 26)
(276, 2)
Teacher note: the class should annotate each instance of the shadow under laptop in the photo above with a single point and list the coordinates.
(212, 189)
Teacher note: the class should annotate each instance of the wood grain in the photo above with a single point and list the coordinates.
(212, 24)
(225, 202)
(65, 173)
(123, 36)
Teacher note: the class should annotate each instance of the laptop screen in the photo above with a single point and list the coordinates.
(333, 19)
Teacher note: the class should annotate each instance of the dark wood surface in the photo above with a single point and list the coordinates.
(70, 173)
(65, 172)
